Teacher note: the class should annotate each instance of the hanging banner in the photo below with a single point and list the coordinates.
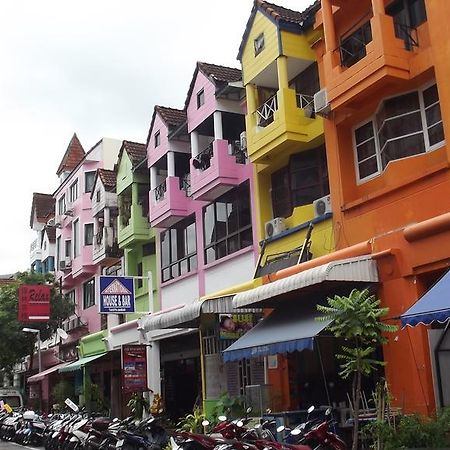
(134, 368)
(233, 326)
(34, 303)
(116, 295)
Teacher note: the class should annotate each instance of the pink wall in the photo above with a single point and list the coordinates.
(155, 153)
(196, 115)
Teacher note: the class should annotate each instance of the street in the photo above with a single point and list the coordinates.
(13, 446)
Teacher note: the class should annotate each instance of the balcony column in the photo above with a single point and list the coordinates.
(377, 7)
(153, 177)
(170, 164)
(328, 25)
(134, 194)
(282, 71)
(194, 144)
(251, 98)
(218, 128)
(107, 218)
(95, 230)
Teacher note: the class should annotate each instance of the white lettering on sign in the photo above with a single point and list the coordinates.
(117, 301)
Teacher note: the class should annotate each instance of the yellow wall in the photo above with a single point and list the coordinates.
(298, 45)
(253, 65)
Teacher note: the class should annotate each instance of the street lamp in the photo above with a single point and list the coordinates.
(35, 331)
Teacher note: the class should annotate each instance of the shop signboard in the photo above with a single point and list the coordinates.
(34, 303)
(116, 295)
(233, 326)
(134, 368)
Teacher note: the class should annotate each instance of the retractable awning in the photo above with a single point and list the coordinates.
(286, 329)
(41, 375)
(76, 365)
(433, 306)
(188, 316)
(359, 269)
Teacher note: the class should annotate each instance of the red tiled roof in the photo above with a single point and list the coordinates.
(171, 116)
(44, 207)
(108, 178)
(136, 152)
(285, 14)
(73, 155)
(220, 73)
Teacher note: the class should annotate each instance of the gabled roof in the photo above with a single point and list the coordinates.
(172, 117)
(136, 152)
(219, 75)
(284, 18)
(108, 178)
(72, 157)
(43, 205)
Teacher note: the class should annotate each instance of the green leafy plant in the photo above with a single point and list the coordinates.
(61, 391)
(356, 318)
(231, 406)
(192, 422)
(137, 404)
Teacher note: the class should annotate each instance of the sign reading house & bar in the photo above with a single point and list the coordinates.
(116, 295)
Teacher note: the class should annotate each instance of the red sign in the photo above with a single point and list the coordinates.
(34, 303)
(134, 368)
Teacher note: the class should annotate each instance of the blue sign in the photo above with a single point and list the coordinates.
(116, 295)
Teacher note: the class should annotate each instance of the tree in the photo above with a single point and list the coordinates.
(356, 318)
(14, 343)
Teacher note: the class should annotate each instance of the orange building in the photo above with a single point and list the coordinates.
(384, 69)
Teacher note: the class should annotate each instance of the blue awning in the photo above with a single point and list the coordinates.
(287, 329)
(433, 306)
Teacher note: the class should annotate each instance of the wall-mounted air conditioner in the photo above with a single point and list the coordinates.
(275, 226)
(322, 206)
(243, 140)
(62, 265)
(321, 105)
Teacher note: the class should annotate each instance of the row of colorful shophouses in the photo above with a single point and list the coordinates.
(319, 167)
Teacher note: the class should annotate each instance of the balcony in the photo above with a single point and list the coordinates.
(284, 122)
(170, 201)
(35, 252)
(379, 52)
(217, 169)
(105, 248)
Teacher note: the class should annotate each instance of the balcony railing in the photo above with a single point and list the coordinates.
(265, 112)
(185, 184)
(203, 160)
(238, 152)
(304, 101)
(33, 245)
(160, 191)
(408, 34)
(353, 47)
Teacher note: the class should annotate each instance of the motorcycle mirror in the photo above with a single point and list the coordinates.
(160, 411)
(328, 412)
(249, 410)
(239, 423)
(258, 425)
(311, 409)
(295, 432)
(280, 428)
(222, 418)
(205, 423)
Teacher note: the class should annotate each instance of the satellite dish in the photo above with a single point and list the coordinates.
(62, 334)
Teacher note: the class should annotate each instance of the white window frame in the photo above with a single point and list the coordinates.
(76, 242)
(88, 172)
(62, 204)
(73, 191)
(372, 119)
(84, 233)
(157, 139)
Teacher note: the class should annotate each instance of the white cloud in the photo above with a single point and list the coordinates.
(97, 68)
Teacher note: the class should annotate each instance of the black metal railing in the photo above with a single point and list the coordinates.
(238, 152)
(159, 191)
(185, 184)
(203, 160)
(408, 34)
(353, 47)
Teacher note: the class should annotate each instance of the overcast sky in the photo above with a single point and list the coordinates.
(96, 68)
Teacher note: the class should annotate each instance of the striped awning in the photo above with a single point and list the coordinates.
(359, 269)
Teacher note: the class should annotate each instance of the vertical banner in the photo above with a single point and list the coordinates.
(134, 368)
(34, 303)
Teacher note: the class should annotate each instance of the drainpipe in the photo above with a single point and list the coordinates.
(427, 228)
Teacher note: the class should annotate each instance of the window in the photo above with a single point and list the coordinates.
(140, 273)
(71, 296)
(179, 249)
(62, 205)
(200, 98)
(68, 249)
(88, 234)
(76, 237)
(148, 249)
(73, 192)
(58, 251)
(258, 44)
(403, 126)
(228, 224)
(89, 294)
(98, 196)
(157, 139)
(304, 180)
(353, 46)
(89, 179)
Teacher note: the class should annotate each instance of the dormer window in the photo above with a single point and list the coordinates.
(157, 139)
(200, 98)
(97, 196)
(258, 44)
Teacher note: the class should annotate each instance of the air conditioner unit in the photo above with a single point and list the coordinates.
(243, 140)
(321, 105)
(62, 265)
(275, 226)
(322, 206)
(68, 263)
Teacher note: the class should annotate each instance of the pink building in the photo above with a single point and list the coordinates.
(75, 227)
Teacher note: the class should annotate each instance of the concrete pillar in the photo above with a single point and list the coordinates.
(153, 177)
(112, 320)
(283, 79)
(218, 128)
(328, 26)
(377, 7)
(194, 144)
(170, 164)
(251, 96)
(107, 218)
(154, 367)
